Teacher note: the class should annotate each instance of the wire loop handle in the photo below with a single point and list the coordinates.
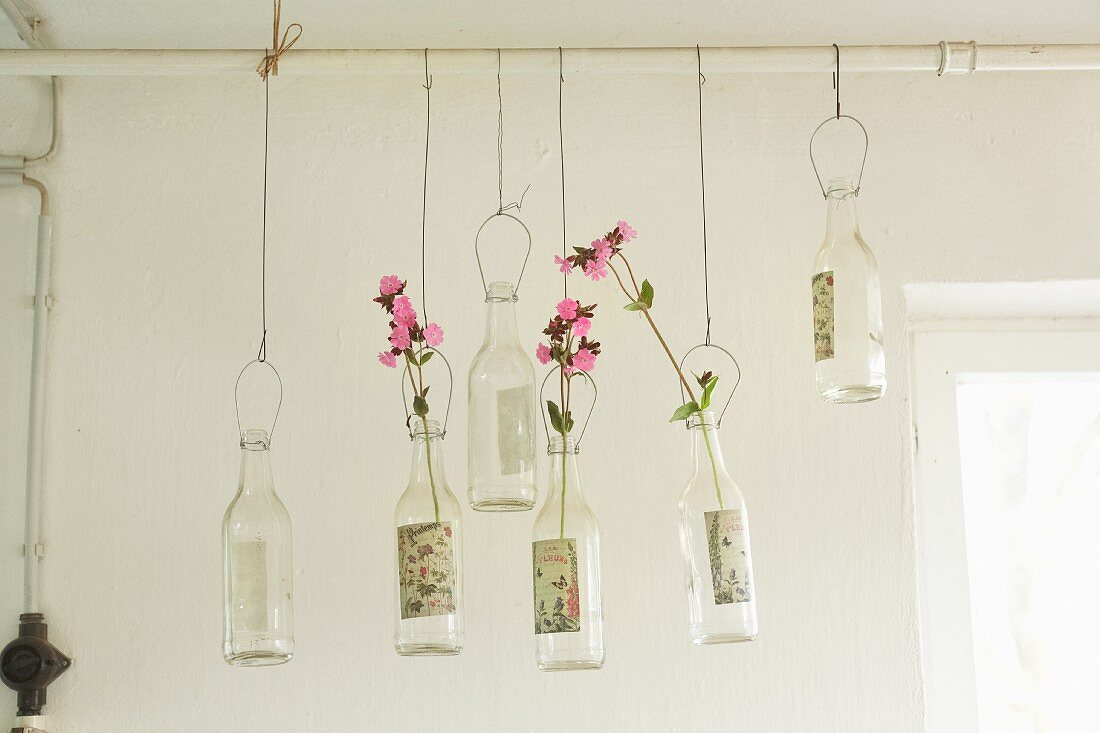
(866, 146)
(237, 401)
(409, 416)
(477, 251)
(542, 405)
(736, 364)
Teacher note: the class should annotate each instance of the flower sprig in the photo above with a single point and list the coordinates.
(407, 338)
(573, 350)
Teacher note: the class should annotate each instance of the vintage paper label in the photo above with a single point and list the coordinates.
(729, 564)
(824, 326)
(426, 568)
(515, 441)
(249, 585)
(557, 592)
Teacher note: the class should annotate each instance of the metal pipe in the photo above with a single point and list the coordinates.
(939, 58)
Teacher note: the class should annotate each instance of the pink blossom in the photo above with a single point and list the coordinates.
(596, 269)
(581, 327)
(584, 360)
(403, 312)
(386, 358)
(400, 338)
(602, 248)
(564, 265)
(626, 231)
(390, 284)
(542, 352)
(433, 334)
(567, 309)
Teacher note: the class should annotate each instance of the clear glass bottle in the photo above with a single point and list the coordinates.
(428, 519)
(849, 361)
(502, 426)
(566, 570)
(257, 564)
(714, 538)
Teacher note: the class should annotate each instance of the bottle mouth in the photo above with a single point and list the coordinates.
(840, 188)
(702, 419)
(559, 444)
(255, 439)
(422, 428)
(501, 292)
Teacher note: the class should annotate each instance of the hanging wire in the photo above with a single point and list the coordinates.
(424, 194)
(261, 355)
(836, 80)
(703, 189)
(561, 147)
(500, 142)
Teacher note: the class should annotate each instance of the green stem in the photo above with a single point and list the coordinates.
(713, 465)
(431, 473)
(561, 531)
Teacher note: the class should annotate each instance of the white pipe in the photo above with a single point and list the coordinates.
(940, 58)
(32, 546)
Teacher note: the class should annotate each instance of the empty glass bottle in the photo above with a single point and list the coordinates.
(566, 570)
(502, 413)
(714, 537)
(428, 519)
(849, 361)
(256, 553)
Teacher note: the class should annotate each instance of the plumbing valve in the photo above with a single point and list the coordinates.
(30, 663)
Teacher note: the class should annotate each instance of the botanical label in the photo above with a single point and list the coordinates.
(557, 592)
(249, 580)
(426, 567)
(515, 442)
(824, 326)
(729, 564)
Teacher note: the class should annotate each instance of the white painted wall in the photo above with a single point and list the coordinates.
(157, 194)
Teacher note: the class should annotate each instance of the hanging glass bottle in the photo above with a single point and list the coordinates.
(566, 570)
(502, 413)
(714, 536)
(258, 568)
(428, 519)
(849, 360)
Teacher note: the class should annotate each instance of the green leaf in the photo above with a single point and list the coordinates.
(420, 406)
(568, 422)
(555, 415)
(683, 412)
(647, 294)
(634, 306)
(427, 355)
(705, 403)
(408, 353)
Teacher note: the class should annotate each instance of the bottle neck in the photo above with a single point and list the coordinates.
(427, 457)
(500, 327)
(563, 468)
(706, 451)
(255, 476)
(840, 201)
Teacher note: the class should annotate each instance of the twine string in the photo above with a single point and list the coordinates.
(270, 64)
(424, 193)
(561, 148)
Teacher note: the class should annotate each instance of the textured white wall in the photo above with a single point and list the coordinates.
(157, 211)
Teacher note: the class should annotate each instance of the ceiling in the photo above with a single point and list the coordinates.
(546, 23)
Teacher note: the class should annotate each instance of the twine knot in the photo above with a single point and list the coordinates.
(270, 64)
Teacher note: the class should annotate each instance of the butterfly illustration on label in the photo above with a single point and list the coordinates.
(538, 572)
(726, 542)
(560, 583)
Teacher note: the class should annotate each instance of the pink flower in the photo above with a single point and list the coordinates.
(433, 334)
(403, 312)
(596, 269)
(584, 360)
(602, 247)
(626, 231)
(387, 358)
(423, 571)
(390, 284)
(542, 352)
(564, 265)
(581, 327)
(400, 338)
(567, 309)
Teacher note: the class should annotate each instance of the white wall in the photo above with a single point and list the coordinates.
(157, 209)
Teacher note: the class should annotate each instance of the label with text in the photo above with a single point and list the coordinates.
(824, 325)
(557, 591)
(730, 571)
(426, 568)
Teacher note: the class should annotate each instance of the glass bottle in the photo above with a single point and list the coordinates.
(848, 355)
(502, 413)
(428, 519)
(257, 564)
(566, 570)
(714, 538)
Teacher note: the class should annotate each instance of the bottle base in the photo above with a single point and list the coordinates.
(501, 505)
(565, 665)
(427, 650)
(257, 659)
(706, 639)
(853, 394)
